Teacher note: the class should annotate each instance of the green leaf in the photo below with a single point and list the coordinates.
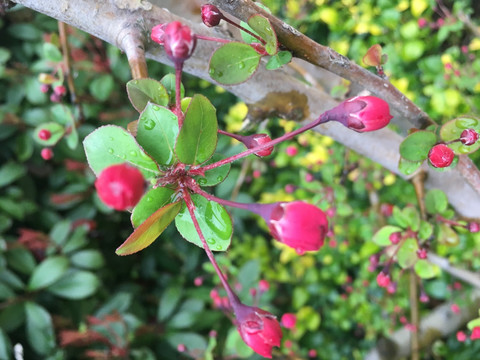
(142, 91)
(399, 217)
(39, 328)
(197, 139)
(382, 236)
(24, 147)
(408, 167)
(426, 270)
(75, 285)
(168, 302)
(262, 26)
(55, 129)
(425, 231)
(5, 346)
(157, 133)
(188, 313)
(407, 254)
(473, 323)
(278, 60)
(215, 175)
(214, 221)
(416, 146)
(6, 292)
(447, 236)
(110, 145)
(194, 342)
(153, 200)
(454, 128)
(150, 229)
(436, 201)
(102, 86)
(47, 272)
(10, 172)
(88, 259)
(412, 216)
(51, 52)
(21, 260)
(437, 289)
(233, 63)
(168, 81)
(12, 316)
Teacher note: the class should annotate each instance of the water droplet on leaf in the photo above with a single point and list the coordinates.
(149, 199)
(211, 241)
(133, 153)
(218, 220)
(110, 150)
(219, 178)
(202, 181)
(466, 123)
(156, 108)
(149, 124)
(241, 65)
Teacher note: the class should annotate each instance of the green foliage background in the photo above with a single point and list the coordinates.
(69, 271)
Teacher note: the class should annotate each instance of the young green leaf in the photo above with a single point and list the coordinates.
(408, 167)
(382, 236)
(150, 229)
(407, 254)
(142, 91)
(278, 60)
(426, 270)
(168, 81)
(76, 285)
(233, 63)
(262, 26)
(56, 131)
(197, 139)
(436, 201)
(109, 145)
(39, 328)
(157, 132)
(153, 200)
(454, 128)
(47, 272)
(416, 146)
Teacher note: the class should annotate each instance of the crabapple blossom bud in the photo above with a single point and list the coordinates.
(44, 88)
(263, 285)
(288, 320)
(383, 280)
(44, 134)
(46, 153)
(158, 33)
(392, 288)
(468, 137)
(211, 15)
(309, 177)
(291, 150)
(422, 253)
(255, 140)
(440, 156)
(60, 90)
(179, 41)
(422, 22)
(461, 336)
(475, 333)
(55, 98)
(360, 113)
(198, 281)
(120, 186)
(424, 298)
(395, 237)
(181, 348)
(289, 188)
(455, 308)
(298, 224)
(312, 353)
(473, 227)
(258, 328)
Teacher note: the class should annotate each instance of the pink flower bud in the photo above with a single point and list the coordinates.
(263, 285)
(291, 150)
(309, 177)
(44, 134)
(46, 153)
(461, 336)
(158, 33)
(473, 227)
(289, 188)
(395, 237)
(383, 280)
(422, 22)
(298, 224)
(259, 329)
(468, 137)
(288, 320)
(181, 348)
(120, 186)
(44, 88)
(422, 253)
(55, 98)
(424, 298)
(60, 90)
(179, 41)
(455, 308)
(440, 156)
(198, 281)
(361, 113)
(392, 288)
(312, 353)
(475, 333)
(255, 140)
(211, 15)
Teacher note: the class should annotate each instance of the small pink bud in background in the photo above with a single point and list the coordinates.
(288, 344)
(120, 186)
(263, 285)
(424, 298)
(457, 73)
(422, 253)
(291, 150)
(255, 140)
(44, 134)
(258, 328)
(158, 33)
(395, 237)
(179, 41)
(392, 288)
(44, 88)
(464, 49)
(383, 280)
(386, 209)
(212, 334)
(331, 212)
(198, 281)
(455, 308)
(60, 90)
(361, 113)
(403, 320)
(448, 66)
(457, 285)
(46, 153)
(211, 15)
(461, 336)
(298, 224)
(475, 333)
(181, 348)
(473, 227)
(309, 177)
(55, 98)
(468, 137)
(422, 22)
(288, 320)
(441, 156)
(253, 292)
(289, 188)
(312, 353)
(440, 22)
(256, 174)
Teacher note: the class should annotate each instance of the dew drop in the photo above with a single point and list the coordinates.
(124, 156)
(202, 181)
(241, 65)
(149, 124)
(252, 69)
(110, 150)
(135, 82)
(149, 199)
(219, 247)
(219, 178)
(220, 74)
(133, 153)
(211, 241)
(111, 138)
(466, 123)
(156, 108)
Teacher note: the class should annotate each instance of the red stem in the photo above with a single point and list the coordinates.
(234, 136)
(209, 38)
(178, 85)
(263, 42)
(232, 297)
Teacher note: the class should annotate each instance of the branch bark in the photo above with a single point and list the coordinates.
(284, 92)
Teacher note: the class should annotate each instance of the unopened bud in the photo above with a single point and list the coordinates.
(468, 137)
(44, 134)
(441, 156)
(46, 153)
(211, 15)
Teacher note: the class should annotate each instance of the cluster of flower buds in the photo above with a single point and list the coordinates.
(120, 186)
(178, 40)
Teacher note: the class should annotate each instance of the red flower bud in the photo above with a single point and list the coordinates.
(461, 336)
(395, 237)
(263, 285)
(255, 140)
(44, 88)
(259, 329)
(361, 113)
(158, 33)
(422, 253)
(475, 333)
(288, 320)
(120, 186)
(300, 225)
(383, 280)
(46, 153)
(440, 156)
(60, 90)
(473, 227)
(44, 134)
(211, 15)
(468, 137)
(179, 41)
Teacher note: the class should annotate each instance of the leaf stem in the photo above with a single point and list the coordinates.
(209, 38)
(263, 42)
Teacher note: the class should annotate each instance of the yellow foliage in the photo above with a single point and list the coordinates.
(293, 8)
(361, 28)
(329, 15)
(374, 29)
(287, 125)
(417, 7)
(389, 179)
(235, 117)
(340, 46)
(477, 88)
(280, 195)
(327, 260)
(474, 45)
(447, 59)
(319, 154)
(402, 85)
(402, 5)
